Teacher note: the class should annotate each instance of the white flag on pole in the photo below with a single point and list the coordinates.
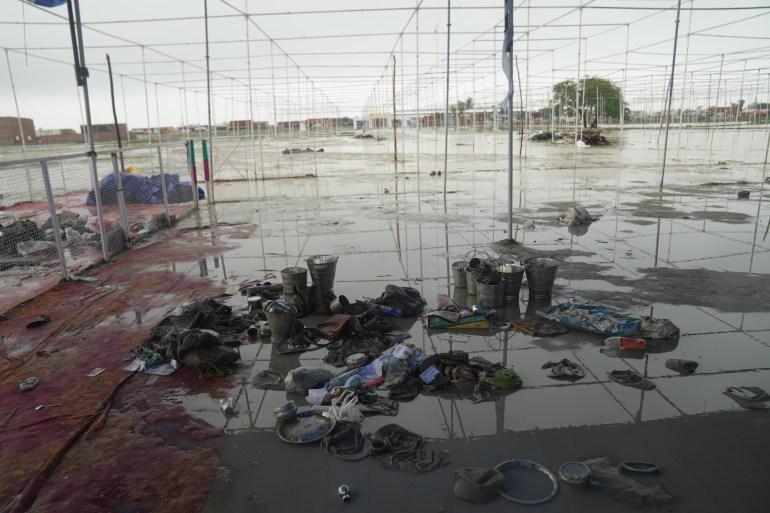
(508, 48)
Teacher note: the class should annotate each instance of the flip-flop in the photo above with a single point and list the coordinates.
(754, 398)
(630, 378)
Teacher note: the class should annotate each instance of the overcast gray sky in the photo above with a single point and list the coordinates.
(339, 73)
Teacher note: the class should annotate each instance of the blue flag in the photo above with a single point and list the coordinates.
(508, 48)
(48, 3)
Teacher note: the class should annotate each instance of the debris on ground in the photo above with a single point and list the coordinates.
(750, 397)
(589, 137)
(546, 136)
(607, 478)
(288, 151)
(478, 485)
(608, 321)
(684, 367)
(630, 378)
(565, 369)
(396, 448)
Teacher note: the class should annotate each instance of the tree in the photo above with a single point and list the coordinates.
(598, 92)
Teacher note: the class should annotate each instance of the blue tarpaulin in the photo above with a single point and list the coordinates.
(48, 3)
(599, 319)
(142, 189)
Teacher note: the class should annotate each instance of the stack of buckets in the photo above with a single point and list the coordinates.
(496, 285)
(318, 297)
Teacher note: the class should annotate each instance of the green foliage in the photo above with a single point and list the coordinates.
(598, 91)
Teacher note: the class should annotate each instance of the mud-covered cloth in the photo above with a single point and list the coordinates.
(395, 448)
(478, 485)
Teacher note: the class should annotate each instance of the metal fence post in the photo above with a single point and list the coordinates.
(163, 187)
(99, 208)
(193, 171)
(120, 196)
(54, 220)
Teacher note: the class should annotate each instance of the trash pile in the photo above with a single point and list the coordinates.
(288, 151)
(590, 137)
(203, 336)
(23, 242)
(546, 136)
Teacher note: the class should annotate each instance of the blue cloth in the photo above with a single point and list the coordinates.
(142, 189)
(599, 319)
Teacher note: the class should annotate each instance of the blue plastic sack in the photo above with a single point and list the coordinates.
(599, 319)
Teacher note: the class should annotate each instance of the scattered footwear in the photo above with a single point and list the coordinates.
(639, 467)
(630, 378)
(753, 398)
(684, 367)
(565, 370)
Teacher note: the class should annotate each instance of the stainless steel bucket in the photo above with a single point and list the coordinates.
(541, 273)
(512, 275)
(280, 318)
(458, 273)
(490, 295)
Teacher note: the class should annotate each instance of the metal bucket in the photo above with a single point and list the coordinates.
(490, 295)
(280, 318)
(322, 270)
(512, 275)
(293, 278)
(458, 273)
(541, 273)
(459, 296)
(471, 275)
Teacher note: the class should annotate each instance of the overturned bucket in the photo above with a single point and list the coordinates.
(512, 275)
(490, 291)
(541, 273)
(280, 318)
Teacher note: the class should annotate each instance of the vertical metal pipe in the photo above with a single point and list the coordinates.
(446, 101)
(163, 186)
(120, 196)
(395, 132)
(210, 159)
(670, 94)
(54, 219)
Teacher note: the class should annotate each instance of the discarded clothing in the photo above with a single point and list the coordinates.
(502, 379)
(538, 326)
(753, 398)
(346, 442)
(478, 485)
(395, 448)
(598, 319)
(658, 328)
(142, 189)
(302, 379)
(606, 477)
(564, 370)
(212, 360)
(445, 320)
(334, 327)
(268, 380)
(406, 299)
(631, 378)
(683, 367)
(406, 390)
(373, 404)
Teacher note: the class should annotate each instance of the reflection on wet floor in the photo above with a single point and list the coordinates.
(390, 228)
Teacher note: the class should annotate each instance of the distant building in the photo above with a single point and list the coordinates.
(106, 131)
(59, 136)
(245, 125)
(9, 130)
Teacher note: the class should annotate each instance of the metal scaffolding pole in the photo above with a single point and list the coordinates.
(446, 100)
(208, 103)
(670, 94)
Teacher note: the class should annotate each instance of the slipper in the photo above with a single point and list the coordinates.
(682, 366)
(38, 321)
(754, 398)
(630, 378)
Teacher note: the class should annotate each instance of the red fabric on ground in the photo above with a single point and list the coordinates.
(95, 325)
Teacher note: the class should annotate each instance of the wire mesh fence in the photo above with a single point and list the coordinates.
(59, 215)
